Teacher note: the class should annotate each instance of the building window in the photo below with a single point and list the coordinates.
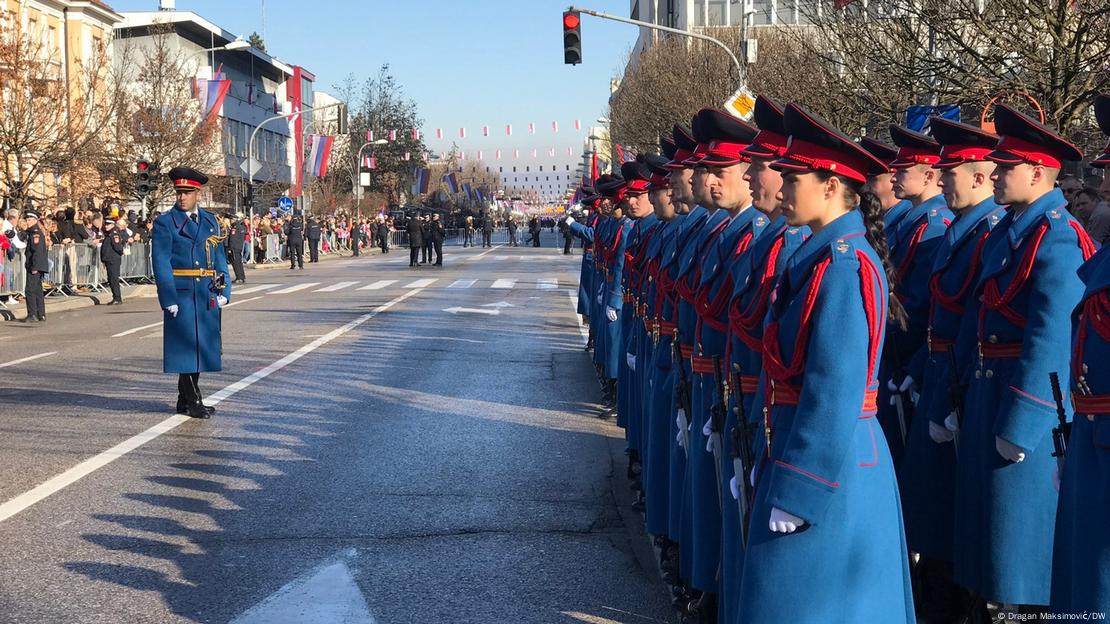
(717, 12)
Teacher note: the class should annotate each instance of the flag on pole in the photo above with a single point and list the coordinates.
(498, 154)
(570, 151)
(479, 154)
(577, 124)
(551, 152)
(415, 134)
(439, 133)
(319, 153)
(485, 130)
(555, 126)
(531, 127)
(534, 152)
(406, 155)
(516, 154)
(392, 135)
(452, 182)
(369, 136)
(593, 168)
(420, 181)
(462, 133)
(508, 129)
(211, 94)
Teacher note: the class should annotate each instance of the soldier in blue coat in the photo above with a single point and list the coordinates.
(1081, 552)
(928, 472)
(191, 274)
(912, 244)
(826, 541)
(1028, 287)
(882, 186)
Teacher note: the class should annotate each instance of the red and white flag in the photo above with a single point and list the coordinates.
(508, 129)
(415, 134)
(555, 126)
(551, 152)
(406, 155)
(498, 154)
(392, 135)
(462, 155)
(479, 154)
(534, 152)
(516, 154)
(369, 136)
(531, 127)
(577, 124)
(439, 133)
(570, 151)
(485, 130)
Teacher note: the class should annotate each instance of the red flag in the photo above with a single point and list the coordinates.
(392, 135)
(509, 130)
(439, 133)
(555, 126)
(485, 130)
(593, 168)
(577, 124)
(369, 136)
(462, 133)
(620, 152)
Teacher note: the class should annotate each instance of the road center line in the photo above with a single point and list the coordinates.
(488, 251)
(153, 325)
(27, 359)
(69, 477)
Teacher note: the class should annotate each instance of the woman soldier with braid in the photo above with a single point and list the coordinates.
(826, 542)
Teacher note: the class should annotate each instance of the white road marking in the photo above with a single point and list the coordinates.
(135, 330)
(582, 329)
(378, 285)
(504, 283)
(335, 287)
(294, 288)
(457, 310)
(61, 481)
(27, 359)
(422, 283)
(462, 283)
(251, 289)
(238, 301)
(324, 595)
(501, 258)
(488, 251)
(547, 284)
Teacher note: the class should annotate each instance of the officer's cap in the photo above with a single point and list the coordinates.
(30, 213)
(914, 148)
(187, 178)
(1102, 115)
(685, 143)
(1025, 140)
(878, 149)
(815, 145)
(610, 186)
(729, 137)
(659, 173)
(668, 147)
(960, 142)
(700, 126)
(771, 140)
(636, 175)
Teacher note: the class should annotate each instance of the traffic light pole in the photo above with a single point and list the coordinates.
(675, 31)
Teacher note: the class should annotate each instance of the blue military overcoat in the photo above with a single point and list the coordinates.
(828, 462)
(190, 340)
(1081, 554)
(1005, 511)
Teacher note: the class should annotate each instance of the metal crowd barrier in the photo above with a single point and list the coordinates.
(273, 248)
(90, 271)
(136, 265)
(12, 274)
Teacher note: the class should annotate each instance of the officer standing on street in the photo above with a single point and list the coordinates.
(294, 236)
(111, 254)
(416, 240)
(437, 234)
(487, 230)
(190, 271)
(426, 223)
(512, 225)
(236, 239)
(37, 264)
(312, 232)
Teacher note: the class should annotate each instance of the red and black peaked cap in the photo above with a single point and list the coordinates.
(960, 142)
(685, 142)
(914, 148)
(636, 174)
(609, 185)
(187, 179)
(1102, 115)
(878, 149)
(659, 173)
(699, 124)
(771, 140)
(729, 137)
(815, 145)
(668, 147)
(1025, 140)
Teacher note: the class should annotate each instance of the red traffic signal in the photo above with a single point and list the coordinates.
(572, 37)
(571, 20)
(143, 165)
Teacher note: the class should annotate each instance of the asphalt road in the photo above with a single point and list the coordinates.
(391, 445)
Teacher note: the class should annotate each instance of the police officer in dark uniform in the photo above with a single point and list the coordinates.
(294, 236)
(312, 232)
(426, 255)
(437, 234)
(512, 225)
(37, 266)
(416, 240)
(487, 230)
(111, 254)
(236, 239)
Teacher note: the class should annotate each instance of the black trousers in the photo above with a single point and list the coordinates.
(113, 280)
(296, 254)
(486, 238)
(188, 388)
(536, 239)
(513, 239)
(426, 255)
(36, 300)
(313, 250)
(356, 243)
(237, 263)
(438, 246)
(566, 244)
(414, 255)
(384, 240)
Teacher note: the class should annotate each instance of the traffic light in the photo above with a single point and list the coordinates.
(144, 177)
(572, 38)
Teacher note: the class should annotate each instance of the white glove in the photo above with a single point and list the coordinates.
(631, 359)
(1056, 478)
(172, 310)
(950, 422)
(681, 439)
(569, 220)
(599, 299)
(611, 314)
(221, 301)
(735, 489)
(906, 384)
(782, 522)
(939, 434)
(1008, 450)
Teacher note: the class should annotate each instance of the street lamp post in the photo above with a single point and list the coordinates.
(358, 175)
(231, 46)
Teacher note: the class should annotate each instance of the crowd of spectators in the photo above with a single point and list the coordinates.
(1089, 201)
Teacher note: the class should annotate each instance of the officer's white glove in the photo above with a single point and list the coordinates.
(611, 314)
(172, 310)
(569, 220)
(681, 440)
(221, 301)
(678, 419)
(906, 384)
(939, 434)
(1008, 450)
(1056, 477)
(782, 522)
(599, 299)
(631, 359)
(950, 422)
(735, 489)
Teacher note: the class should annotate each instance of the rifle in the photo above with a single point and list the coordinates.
(1062, 430)
(743, 457)
(682, 397)
(956, 393)
(717, 425)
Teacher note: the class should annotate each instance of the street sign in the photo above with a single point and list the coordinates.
(255, 167)
(285, 204)
(741, 103)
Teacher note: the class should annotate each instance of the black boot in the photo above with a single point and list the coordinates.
(189, 400)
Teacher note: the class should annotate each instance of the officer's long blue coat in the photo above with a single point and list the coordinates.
(1081, 554)
(829, 463)
(628, 388)
(928, 472)
(658, 409)
(916, 235)
(585, 231)
(1005, 512)
(191, 340)
(613, 297)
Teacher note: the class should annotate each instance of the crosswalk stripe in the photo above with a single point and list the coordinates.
(378, 285)
(500, 257)
(294, 288)
(335, 287)
(421, 283)
(462, 284)
(250, 289)
(504, 283)
(546, 284)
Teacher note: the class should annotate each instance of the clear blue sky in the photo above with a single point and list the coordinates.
(467, 64)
